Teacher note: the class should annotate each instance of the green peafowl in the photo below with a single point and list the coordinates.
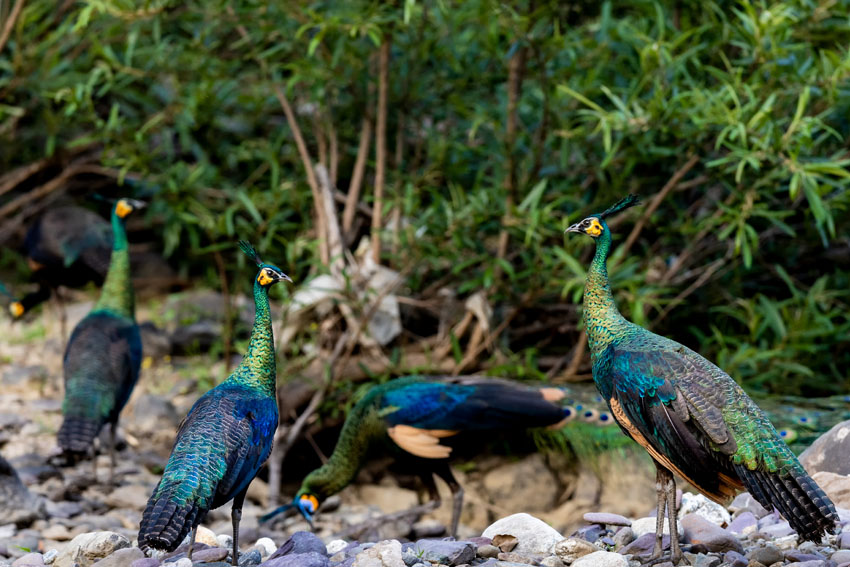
(223, 441)
(690, 416)
(414, 418)
(103, 355)
(67, 246)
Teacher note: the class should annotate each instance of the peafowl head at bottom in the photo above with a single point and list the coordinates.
(305, 502)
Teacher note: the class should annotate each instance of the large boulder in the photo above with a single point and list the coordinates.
(830, 452)
(533, 535)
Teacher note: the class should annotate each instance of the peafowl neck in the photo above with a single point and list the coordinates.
(117, 293)
(602, 320)
(257, 369)
(355, 439)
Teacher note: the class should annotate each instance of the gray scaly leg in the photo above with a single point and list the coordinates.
(112, 454)
(236, 516)
(676, 555)
(192, 542)
(445, 472)
(665, 484)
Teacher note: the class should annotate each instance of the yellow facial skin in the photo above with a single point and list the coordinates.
(16, 309)
(122, 208)
(312, 500)
(595, 228)
(264, 278)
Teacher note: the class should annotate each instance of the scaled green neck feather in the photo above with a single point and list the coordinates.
(602, 320)
(117, 294)
(257, 368)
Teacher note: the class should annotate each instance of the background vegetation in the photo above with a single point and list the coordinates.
(482, 130)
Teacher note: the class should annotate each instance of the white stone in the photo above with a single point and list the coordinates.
(90, 547)
(50, 557)
(570, 549)
(383, 554)
(182, 562)
(702, 506)
(225, 541)
(266, 545)
(336, 545)
(643, 526)
(602, 559)
(534, 536)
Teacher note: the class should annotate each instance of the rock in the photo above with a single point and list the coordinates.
(335, 546)
(606, 519)
(505, 542)
(17, 505)
(801, 557)
(829, 452)
(644, 526)
(50, 556)
(89, 547)
(488, 551)
(56, 532)
(779, 529)
(551, 561)
(29, 560)
(146, 562)
(644, 545)
(301, 542)
(133, 496)
(121, 558)
(744, 523)
(266, 546)
(205, 536)
(735, 559)
(445, 552)
(624, 536)
(701, 531)
(527, 484)
(309, 559)
(767, 555)
(182, 562)
(388, 499)
(745, 501)
(702, 506)
(226, 541)
(844, 540)
(250, 558)
(534, 535)
(209, 555)
(602, 559)
(514, 558)
(428, 528)
(383, 554)
(813, 563)
(703, 560)
(836, 486)
(591, 533)
(570, 549)
(840, 556)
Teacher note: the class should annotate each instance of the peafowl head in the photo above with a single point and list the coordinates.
(307, 503)
(124, 207)
(268, 274)
(594, 225)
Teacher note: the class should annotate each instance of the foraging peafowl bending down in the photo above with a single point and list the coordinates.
(415, 418)
(102, 359)
(690, 416)
(223, 441)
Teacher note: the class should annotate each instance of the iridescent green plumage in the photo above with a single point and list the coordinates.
(687, 413)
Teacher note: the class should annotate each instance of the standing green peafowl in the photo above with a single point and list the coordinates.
(67, 246)
(103, 355)
(690, 416)
(223, 441)
(414, 418)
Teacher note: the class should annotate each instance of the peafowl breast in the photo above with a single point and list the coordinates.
(690, 416)
(223, 441)
(103, 355)
(69, 246)
(415, 418)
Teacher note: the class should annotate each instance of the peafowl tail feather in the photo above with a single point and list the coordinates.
(797, 497)
(165, 523)
(77, 434)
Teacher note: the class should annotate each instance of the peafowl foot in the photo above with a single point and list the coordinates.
(673, 558)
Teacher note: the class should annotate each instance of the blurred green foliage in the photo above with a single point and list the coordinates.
(747, 258)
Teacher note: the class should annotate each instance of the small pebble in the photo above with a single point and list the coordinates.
(488, 551)
(767, 555)
(735, 559)
(225, 541)
(333, 547)
(624, 537)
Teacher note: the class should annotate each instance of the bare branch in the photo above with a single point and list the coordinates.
(357, 177)
(380, 148)
(10, 23)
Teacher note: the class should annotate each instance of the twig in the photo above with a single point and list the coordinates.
(656, 201)
(575, 361)
(10, 23)
(470, 356)
(40, 191)
(12, 179)
(380, 147)
(357, 177)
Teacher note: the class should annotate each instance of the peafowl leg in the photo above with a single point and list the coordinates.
(661, 511)
(236, 516)
(675, 552)
(112, 453)
(445, 472)
(192, 542)
(665, 486)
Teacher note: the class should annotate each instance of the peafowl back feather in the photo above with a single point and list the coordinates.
(224, 439)
(102, 359)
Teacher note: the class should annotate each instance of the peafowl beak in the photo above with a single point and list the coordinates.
(574, 228)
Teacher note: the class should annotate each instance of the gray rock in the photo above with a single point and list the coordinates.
(209, 555)
(428, 528)
(17, 505)
(409, 557)
(812, 563)
(602, 559)
(29, 560)
(767, 555)
(570, 549)
(703, 560)
(301, 542)
(535, 536)
(624, 536)
(644, 545)
(735, 559)
(151, 410)
(121, 558)
(713, 537)
(309, 559)
(779, 529)
(801, 557)
(606, 519)
(146, 562)
(551, 561)
(745, 501)
(841, 556)
(90, 547)
(386, 553)
(50, 556)
(844, 540)
(445, 552)
(253, 557)
(744, 523)
(488, 551)
(829, 452)
(513, 558)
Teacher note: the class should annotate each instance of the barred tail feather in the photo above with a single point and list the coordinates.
(77, 434)
(165, 523)
(798, 498)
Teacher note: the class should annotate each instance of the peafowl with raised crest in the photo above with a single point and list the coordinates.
(69, 246)
(416, 418)
(689, 415)
(224, 440)
(103, 355)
